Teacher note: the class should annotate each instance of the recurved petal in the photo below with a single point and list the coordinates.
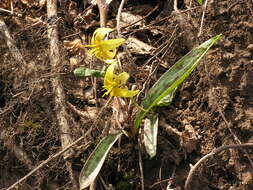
(109, 75)
(109, 54)
(122, 78)
(123, 92)
(93, 51)
(100, 34)
(90, 46)
(105, 55)
(112, 43)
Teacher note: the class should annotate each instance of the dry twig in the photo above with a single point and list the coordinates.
(118, 17)
(65, 149)
(228, 124)
(206, 157)
(11, 44)
(46, 162)
(141, 166)
(202, 19)
(103, 11)
(59, 96)
(131, 24)
(11, 12)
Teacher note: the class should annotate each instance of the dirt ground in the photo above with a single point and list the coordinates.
(214, 107)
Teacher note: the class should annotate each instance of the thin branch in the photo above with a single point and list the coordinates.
(229, 125)
(103, 11)
(47, 161)
(175, 6)
(11, 44)
(59, 96)
(11, 12)
(65, 149)
(19, 153)
(140, 165)
(118, 17)
(233, 134)
(206, 157)
(202, 19)
(135, 22)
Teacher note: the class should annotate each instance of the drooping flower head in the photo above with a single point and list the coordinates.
(114, 84)
(101, 48)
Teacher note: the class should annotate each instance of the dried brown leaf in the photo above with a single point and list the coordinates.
(139, 47)
(74, 46)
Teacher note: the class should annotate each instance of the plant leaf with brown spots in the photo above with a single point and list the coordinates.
(96, 159)
(173, 78)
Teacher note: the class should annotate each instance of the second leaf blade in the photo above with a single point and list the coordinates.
(173, 78)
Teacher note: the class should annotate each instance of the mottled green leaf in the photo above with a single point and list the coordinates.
(166, 101)
(172, 79)
(96, 159)
(85, 72)
(150, 134)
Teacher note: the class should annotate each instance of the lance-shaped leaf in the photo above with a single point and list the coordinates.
(85, 72)
(172, 79)
(150, 134)
(96, 159)
(166, 101)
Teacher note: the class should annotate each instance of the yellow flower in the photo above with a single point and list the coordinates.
(112, 84)
(101, 48)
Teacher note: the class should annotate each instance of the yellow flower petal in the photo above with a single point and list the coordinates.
(113, 82)
(105, 55)
(109, 75)
(108, 54)
(112, 43)
(100, 34)
(101, 48)
(90, 46)
(123, 92)
(92, 51)
(122, 78)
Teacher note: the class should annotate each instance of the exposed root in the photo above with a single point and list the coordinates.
(206, 157)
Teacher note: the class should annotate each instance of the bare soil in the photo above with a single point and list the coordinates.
(214, 107)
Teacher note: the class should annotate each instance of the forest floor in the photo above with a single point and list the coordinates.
(212, 108)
